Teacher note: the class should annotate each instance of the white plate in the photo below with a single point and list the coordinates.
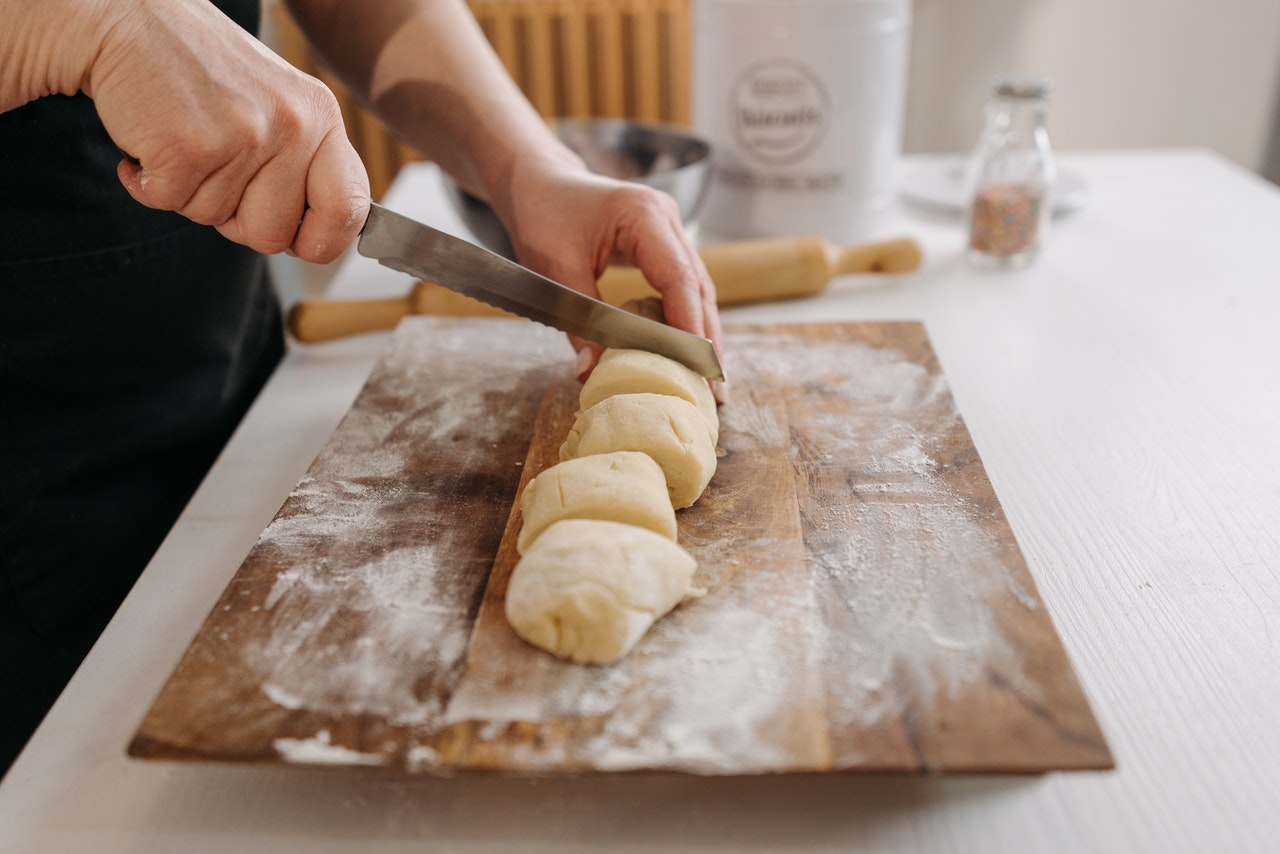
(938, 183)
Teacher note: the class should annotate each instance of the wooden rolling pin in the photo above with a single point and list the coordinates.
(781, 268)
(745, 271)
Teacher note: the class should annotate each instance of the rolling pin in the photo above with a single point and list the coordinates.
(779, 268)
(744, 271)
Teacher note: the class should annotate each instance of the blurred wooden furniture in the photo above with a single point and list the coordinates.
(609, 58)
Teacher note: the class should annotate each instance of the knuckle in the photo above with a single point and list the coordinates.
(289, 126)
(317, 109)
(271, 238)
(324, 102)
(211, 206)
(272, 246)
(650, 200)
(270, 235)
(204, 215)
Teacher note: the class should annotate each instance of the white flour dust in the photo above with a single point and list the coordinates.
(718, 696)
(904, 572)
(886, 602)
(319, 750)
(343, 641)
(892, 607)
(371, 607)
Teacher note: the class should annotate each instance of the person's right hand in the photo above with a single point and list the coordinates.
(225, 132)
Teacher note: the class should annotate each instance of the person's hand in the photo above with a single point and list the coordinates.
(569, 225)
(220, 129)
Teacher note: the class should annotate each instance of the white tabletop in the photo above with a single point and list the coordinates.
(1124, 394)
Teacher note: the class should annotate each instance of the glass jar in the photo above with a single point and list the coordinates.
(1010, 176)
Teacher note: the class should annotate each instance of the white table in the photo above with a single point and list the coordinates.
(1124, 394)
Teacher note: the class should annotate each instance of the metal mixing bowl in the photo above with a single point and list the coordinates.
(661, 156)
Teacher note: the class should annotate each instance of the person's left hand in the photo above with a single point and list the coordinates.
(569, 225)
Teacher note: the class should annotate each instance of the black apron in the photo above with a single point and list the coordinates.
(131, 343)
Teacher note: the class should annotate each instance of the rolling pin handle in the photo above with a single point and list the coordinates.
(312, 321)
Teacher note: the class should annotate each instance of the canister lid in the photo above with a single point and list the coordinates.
(1022, 87)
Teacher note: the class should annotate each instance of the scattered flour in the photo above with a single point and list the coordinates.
(890, 606)
(319, 750)
(343, 640)
(371, 606)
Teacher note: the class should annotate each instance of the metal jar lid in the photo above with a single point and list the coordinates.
(1022, 88)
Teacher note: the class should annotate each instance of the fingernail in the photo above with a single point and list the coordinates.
(720, 390)
(584, 363)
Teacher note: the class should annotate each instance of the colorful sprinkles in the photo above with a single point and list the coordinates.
(1004, 218)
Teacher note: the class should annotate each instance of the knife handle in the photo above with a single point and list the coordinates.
(779, 268)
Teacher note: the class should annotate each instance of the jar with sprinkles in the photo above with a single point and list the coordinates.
(1010, 176)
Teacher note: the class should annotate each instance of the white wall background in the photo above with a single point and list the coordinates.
(1127, 72)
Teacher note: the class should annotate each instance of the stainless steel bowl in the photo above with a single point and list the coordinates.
(661, 156)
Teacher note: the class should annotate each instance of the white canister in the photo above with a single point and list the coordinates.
(802, 102)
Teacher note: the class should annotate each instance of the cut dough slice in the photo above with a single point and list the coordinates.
(624, 486)
(638, 371)
(667, 428)
(588, 589)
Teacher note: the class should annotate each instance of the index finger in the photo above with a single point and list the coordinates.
(671, 264)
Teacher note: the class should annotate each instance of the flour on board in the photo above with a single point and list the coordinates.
(320, 750)
(890, 607)
(344, 627)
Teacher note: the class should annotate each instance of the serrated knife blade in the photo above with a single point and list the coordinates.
(408, 246)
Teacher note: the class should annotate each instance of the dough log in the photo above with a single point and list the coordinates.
(599, 562)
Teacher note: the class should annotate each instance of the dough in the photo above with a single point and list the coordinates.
(625, 486)
(665, 427)
(635, 371)
(588, 589)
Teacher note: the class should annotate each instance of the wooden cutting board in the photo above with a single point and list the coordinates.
(868, 608)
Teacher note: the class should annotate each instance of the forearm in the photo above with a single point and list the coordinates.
(426, 68)
(46, 48)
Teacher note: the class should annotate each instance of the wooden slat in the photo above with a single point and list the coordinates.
(541, 67)
(501, 29)
(648, 73)
(678, 62)
(611, 56)
(576, 57)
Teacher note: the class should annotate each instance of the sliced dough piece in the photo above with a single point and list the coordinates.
(637, 371)
(588, 589)
(624, 486)
(667, 428)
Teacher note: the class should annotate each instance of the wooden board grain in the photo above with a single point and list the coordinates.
(868, 608)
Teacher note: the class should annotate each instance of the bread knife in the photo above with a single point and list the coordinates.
(411, 247)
